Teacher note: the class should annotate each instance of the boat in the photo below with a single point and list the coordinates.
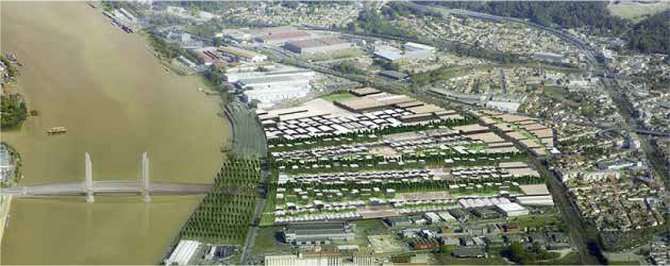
(56, 130)
(126, 28)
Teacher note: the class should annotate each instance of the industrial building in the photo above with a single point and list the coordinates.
(549, 57)
(281, 35)
(241, 54)
(392, 74)
(209, 56)
(273, 86)
(369, 104)
(511, 209)
(376, 110)
(235, 35)
(417, 51)
(183, 253)
(319, 45)
(318, 233)
(388, 54)
(364, 91)
(319, 259)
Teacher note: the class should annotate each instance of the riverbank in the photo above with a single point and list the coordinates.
(5, 207)
(14, 161)
(13, 109)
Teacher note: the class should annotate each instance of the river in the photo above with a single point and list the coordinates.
(117, 101)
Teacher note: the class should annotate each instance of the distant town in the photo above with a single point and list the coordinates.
(381, 133)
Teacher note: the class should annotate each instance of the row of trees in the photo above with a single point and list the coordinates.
(224, 215)
(532, 254)
(410, 159)
(348, 67)
(414, 186)
(165, 50)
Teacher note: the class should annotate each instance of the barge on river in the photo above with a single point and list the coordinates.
(56, 130)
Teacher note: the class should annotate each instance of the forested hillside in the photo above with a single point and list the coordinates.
(651, 35)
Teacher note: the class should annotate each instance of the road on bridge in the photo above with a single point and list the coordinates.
(106, 188)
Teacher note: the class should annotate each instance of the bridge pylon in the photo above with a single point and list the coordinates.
(88, 168)
(144, 178)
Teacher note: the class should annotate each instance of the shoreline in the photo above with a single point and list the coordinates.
(5, 208)
(6, 200)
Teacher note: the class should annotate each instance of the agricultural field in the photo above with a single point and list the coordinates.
(225, 214)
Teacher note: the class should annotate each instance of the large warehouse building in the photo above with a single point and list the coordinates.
(417, 51)
(241, 54)
(319, 45)
(281, 35)
(274, 86)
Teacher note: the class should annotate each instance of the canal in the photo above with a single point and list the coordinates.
(116, 100)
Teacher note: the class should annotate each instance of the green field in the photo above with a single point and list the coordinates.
(346, 53)
(268, 240)
(537, 221)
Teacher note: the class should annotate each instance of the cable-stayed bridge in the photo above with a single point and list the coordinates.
(90, 188)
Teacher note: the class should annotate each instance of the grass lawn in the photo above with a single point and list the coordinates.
(268, 241)
(571, 258)
(532, 221)
(346, 53)
(338, 96)
(268, 217)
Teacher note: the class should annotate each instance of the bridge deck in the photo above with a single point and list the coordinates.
(107, 188)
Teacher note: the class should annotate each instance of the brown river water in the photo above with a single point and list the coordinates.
(116, 100)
